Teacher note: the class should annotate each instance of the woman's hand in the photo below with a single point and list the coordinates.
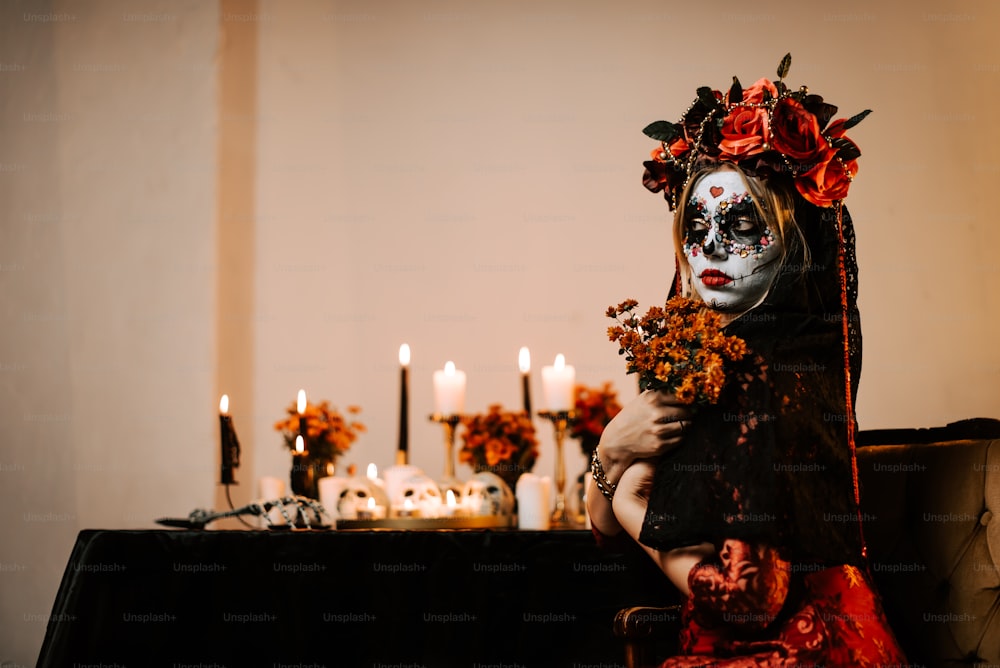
(646, 427)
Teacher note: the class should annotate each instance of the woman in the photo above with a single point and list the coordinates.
(749, 505)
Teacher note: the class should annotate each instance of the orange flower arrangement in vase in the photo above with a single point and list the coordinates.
(327, 436)
(499, 441)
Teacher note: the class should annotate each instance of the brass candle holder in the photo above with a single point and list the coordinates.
(449, 481)
(560, 420)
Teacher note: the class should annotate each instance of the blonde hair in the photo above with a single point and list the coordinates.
(774, 201)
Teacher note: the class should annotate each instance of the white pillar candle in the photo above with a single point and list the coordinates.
(533, 510)
(558, 381)
(449, 390)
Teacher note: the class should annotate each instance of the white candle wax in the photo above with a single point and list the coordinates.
(558, 381)
(370, 510)
(533, 494)
(451, 507)
(449, 390)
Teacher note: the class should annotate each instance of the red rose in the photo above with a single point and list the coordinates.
(744, 132)
(755, 93)
(795, 132)
(827, 182)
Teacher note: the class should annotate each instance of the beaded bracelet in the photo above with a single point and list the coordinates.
(600, 478)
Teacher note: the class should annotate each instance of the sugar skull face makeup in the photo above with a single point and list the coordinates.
(733, 255)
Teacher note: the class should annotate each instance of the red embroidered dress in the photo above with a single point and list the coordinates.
(748, 610)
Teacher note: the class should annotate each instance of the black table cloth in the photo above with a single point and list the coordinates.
(382, 599)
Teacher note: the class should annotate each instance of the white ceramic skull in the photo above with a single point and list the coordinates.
(422, 492)
(487, 494)
(353, 495)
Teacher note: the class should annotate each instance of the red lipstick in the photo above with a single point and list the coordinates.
(714, 278)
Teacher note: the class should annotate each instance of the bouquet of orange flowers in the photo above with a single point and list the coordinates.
(680, 348)
(593, 409)
(499, 441)
(328, 434)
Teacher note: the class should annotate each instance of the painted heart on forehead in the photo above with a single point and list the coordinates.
(716, 191)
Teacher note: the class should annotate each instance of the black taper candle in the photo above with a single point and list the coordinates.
(524, 364)
(404, 410)
(403, 447)
(230, 450)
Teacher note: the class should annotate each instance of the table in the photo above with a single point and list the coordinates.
(381, 599)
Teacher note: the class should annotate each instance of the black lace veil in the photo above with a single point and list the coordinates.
(772, 461)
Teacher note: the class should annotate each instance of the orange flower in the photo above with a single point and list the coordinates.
(498, 438)
(594, 408)
(327, 432)
(680, 348)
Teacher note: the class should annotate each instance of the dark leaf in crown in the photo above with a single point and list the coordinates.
(784, 66)
(857, 118)
(664, 131)
(707, 97)
(735, 92)
(692, 119)
(846, 149)
(823, 112)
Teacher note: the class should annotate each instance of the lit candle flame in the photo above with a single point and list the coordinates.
(300, 445)
(371, 503)
(372, 471)
(301, 403)
(404, 354)
(407, 504)
(449, 368)
(224, 404)
(560, 362)
(524, 360)
(450, 498)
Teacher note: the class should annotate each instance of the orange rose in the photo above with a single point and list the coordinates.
(677, 147)
(795, 132)
(755, 93)
(744, 132)
(827, 182)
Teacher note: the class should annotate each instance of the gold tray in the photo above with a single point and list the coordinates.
(430, 523)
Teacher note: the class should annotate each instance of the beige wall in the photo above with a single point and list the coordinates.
(460, 176)
(108, 251)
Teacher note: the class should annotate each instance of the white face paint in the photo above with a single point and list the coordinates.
(733, 255)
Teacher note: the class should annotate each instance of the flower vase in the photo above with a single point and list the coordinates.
(306, 472)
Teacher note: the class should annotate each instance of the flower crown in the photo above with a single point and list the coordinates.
(767, 130)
